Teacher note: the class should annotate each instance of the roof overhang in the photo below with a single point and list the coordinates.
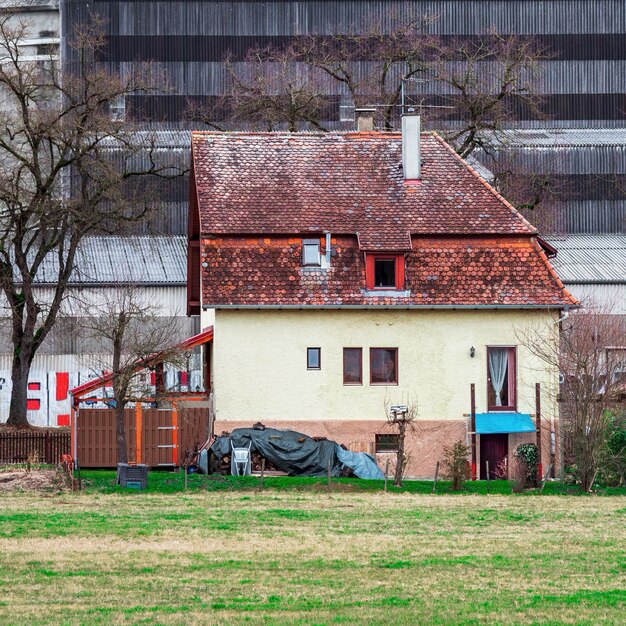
(101, 381)
(399, 307)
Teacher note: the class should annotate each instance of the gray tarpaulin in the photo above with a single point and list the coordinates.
(296, 453)
(363, 465)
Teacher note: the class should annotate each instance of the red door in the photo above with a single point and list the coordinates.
(493, 449)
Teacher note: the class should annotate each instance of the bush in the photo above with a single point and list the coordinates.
(455, 464)
(613, 470)
(527, 457)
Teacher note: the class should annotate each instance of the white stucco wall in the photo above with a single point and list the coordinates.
(259, 370)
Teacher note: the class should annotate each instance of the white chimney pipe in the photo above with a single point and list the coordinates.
(411, 160)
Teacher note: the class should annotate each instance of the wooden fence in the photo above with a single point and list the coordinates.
(41, 447)
(97, 443)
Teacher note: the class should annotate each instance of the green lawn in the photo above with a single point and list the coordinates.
(295, 553)
(103, 481)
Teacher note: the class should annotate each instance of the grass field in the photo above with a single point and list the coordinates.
(309, 556)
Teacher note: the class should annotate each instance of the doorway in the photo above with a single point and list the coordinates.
(493, 449)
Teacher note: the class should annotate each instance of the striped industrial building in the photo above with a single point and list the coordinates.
(580, 140)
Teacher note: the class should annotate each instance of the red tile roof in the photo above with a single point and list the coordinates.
(259, 194)
(439, 272)
(343, 183)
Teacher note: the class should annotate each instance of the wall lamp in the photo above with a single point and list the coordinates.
(472, 351)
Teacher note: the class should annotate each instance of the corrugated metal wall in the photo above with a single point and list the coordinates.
(589, 183)
(188, 40)
(584, 83)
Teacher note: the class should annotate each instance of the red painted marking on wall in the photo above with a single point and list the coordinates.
(34, 386)
(33, 404)
(63, 385)
(63, 420)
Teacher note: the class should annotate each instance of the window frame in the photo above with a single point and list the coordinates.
(390, 451)
(353, 384)
(370, 271)
(312, 242)
(319, 358)
(397, 369)
(512, 358)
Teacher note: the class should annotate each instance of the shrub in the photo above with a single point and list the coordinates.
(455, 464)
(527, 470)
(613, 470)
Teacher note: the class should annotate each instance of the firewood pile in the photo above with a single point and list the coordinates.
(257, 463)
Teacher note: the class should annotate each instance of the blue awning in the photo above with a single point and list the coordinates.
(492, 423)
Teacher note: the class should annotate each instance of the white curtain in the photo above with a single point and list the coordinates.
(498, 361)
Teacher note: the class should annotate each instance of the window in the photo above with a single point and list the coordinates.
(386, 443)
(314, 358)
(383, 366)
(384, 271)
(352, 366)
(501, 379)
(311, 252)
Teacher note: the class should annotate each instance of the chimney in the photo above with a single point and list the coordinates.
(411, 159)
(364, 120)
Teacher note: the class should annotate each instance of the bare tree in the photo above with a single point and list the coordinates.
(375, 61)
(57, 134)
(487, 79)
(401, 418)
(533, 190)
(134, 335)
(591, 359)
(270, 90)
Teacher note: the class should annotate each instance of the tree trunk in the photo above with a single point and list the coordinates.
(19, 393)
(397, 480)
(120, 431)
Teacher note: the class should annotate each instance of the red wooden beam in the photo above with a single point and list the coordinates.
(102, 381)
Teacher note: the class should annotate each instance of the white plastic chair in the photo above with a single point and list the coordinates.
(240, 461)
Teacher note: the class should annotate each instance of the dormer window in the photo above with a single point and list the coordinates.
(384, 271)
(311, 254)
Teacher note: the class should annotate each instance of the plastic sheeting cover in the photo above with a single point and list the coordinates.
(297, 453)
(363, 465)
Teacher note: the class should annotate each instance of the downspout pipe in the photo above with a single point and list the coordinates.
(328, 250)
(564, 316)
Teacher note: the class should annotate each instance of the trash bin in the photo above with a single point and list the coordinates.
(133, 476)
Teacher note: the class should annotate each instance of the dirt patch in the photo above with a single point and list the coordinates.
(35, 480)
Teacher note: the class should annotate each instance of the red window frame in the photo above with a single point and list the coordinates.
(512, 384)
(360, 381)
(385, 384)
(370, 272)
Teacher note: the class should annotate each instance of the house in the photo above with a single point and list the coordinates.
(345, 273)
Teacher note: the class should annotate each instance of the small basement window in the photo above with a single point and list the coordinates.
(314, 358)
(386, 443)
(311, 255)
